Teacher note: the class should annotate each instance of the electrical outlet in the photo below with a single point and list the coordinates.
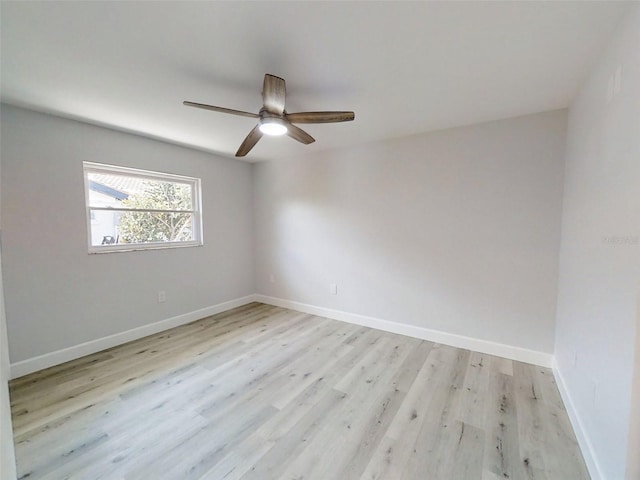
(162, 296)
(333, 289)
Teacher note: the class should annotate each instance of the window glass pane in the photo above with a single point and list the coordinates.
(104, 227)
(115, 190)
(144, 227)
(114, 227)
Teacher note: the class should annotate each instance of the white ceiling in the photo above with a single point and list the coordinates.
(403, 67)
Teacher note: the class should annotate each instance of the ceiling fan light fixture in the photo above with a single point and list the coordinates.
(273, 127)
(273, 119)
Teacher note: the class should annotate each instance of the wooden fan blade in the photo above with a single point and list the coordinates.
(273, 94)
(320, 117)
(220, 109)
(299, 134)
(250, 141)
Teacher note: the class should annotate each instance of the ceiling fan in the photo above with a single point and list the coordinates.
(274, 119)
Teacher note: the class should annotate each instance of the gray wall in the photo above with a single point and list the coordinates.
(456, 230)
(57, 295)
(600, 251)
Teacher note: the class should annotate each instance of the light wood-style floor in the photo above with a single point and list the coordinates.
(262, 393)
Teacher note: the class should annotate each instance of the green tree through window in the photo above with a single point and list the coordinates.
(157, 226)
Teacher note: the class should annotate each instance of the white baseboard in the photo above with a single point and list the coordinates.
(581, 434)
(34, 364)
(483, 346)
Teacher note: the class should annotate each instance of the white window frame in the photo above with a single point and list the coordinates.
(196, 211)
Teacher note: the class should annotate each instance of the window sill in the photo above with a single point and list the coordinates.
(141, 247)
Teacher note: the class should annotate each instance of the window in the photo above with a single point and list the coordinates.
(129, 209)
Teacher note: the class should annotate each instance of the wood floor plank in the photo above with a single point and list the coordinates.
(290, 446)
(502, 453)
(369, 399)
(393, 457)
(300, 406)
(451, 450)
(262, 392)
(531, 437)
(440, 436)
(239, 461)
(474, 390)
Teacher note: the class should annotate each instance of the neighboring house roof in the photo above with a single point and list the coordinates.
(112, 192)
